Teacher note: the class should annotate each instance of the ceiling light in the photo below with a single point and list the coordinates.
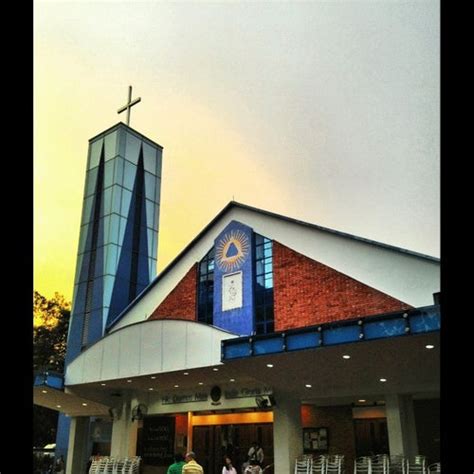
(201, 383)
(103, 384)
(215, 369)
(429, 346)
(361, 401)
(58, 406)
(346, 356)
(151, 388)
(153, 377)
(232, 380)
(270, 365)
(44, 391)
(84, 404)
(383, 380)
(176, 386)
(186, 373)
(129, 381)
(308, 385)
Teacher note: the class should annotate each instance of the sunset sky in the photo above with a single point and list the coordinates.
(323, 111)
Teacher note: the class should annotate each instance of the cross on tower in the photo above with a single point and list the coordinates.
(129, 105)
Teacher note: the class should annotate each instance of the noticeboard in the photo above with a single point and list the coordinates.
(158, 440)
(315, 440)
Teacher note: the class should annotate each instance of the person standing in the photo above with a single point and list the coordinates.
(255, 453)
(228, 467)
(191, 466)
(177, 466)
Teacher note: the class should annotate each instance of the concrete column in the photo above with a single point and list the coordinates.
(287, 434)
(77, 447)
(120, 443)
(401, 425)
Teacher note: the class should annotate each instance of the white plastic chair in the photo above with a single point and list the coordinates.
(334, 464)
(318, 465)
(417, 465)
(363, 465)
(436, 467)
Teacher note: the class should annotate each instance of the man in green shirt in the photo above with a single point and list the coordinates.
(177, 467)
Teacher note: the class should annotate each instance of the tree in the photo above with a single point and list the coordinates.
(50, 327)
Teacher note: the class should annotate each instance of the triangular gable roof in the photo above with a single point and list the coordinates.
(236, 205)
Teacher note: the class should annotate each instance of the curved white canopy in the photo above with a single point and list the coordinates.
(149, 347)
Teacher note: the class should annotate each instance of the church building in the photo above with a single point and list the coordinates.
(264, 328)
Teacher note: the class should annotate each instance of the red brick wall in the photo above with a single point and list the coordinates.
(307, 292)
(181, 302)
(338, 421)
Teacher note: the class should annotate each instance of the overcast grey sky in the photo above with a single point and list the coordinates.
(323, 111)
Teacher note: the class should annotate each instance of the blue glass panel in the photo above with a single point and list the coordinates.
(126, 198)
(425, 323)
(149, 158)
(129, 173)
(95, 149)
(150, 242)
(82, 238)
(341, 335)
(235, 351)
(84, 267)
(150, 184)
(154, 249)
(87, 210)
(114, 229)
(119, 163)
(158, 162)
(109, 173)
(123, 226)
(303, 341)
(268, 281)
(132, 148)
(91, 181)
(111, 256)
(158, 190)
(150, 213)
(110, 146)
(268, 346)
(106, 227)
(116, 199)
(152, 270)
(121, 142)
(388, 328)
(108, 288)
(107, 201)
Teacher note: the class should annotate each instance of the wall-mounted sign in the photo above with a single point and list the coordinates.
(158, 440)
(246, 392)
(232, 291)
(184, 398)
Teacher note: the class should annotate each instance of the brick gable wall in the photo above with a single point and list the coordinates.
(181, 301)
(307, 292)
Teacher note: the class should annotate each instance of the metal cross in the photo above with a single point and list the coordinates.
(130, 104)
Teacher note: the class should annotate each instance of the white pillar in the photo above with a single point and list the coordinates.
(76, 451)
(401, 425)
(287, 434)
(120, 432)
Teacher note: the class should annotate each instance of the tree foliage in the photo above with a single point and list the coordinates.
(50, 326)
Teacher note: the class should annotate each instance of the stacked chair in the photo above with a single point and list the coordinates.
(417, 465)
(111, 465)
(436, 467)
(324, 464)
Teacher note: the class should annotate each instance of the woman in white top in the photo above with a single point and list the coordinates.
(228, 468)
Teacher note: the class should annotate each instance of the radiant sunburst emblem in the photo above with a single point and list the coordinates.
(232, 250)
